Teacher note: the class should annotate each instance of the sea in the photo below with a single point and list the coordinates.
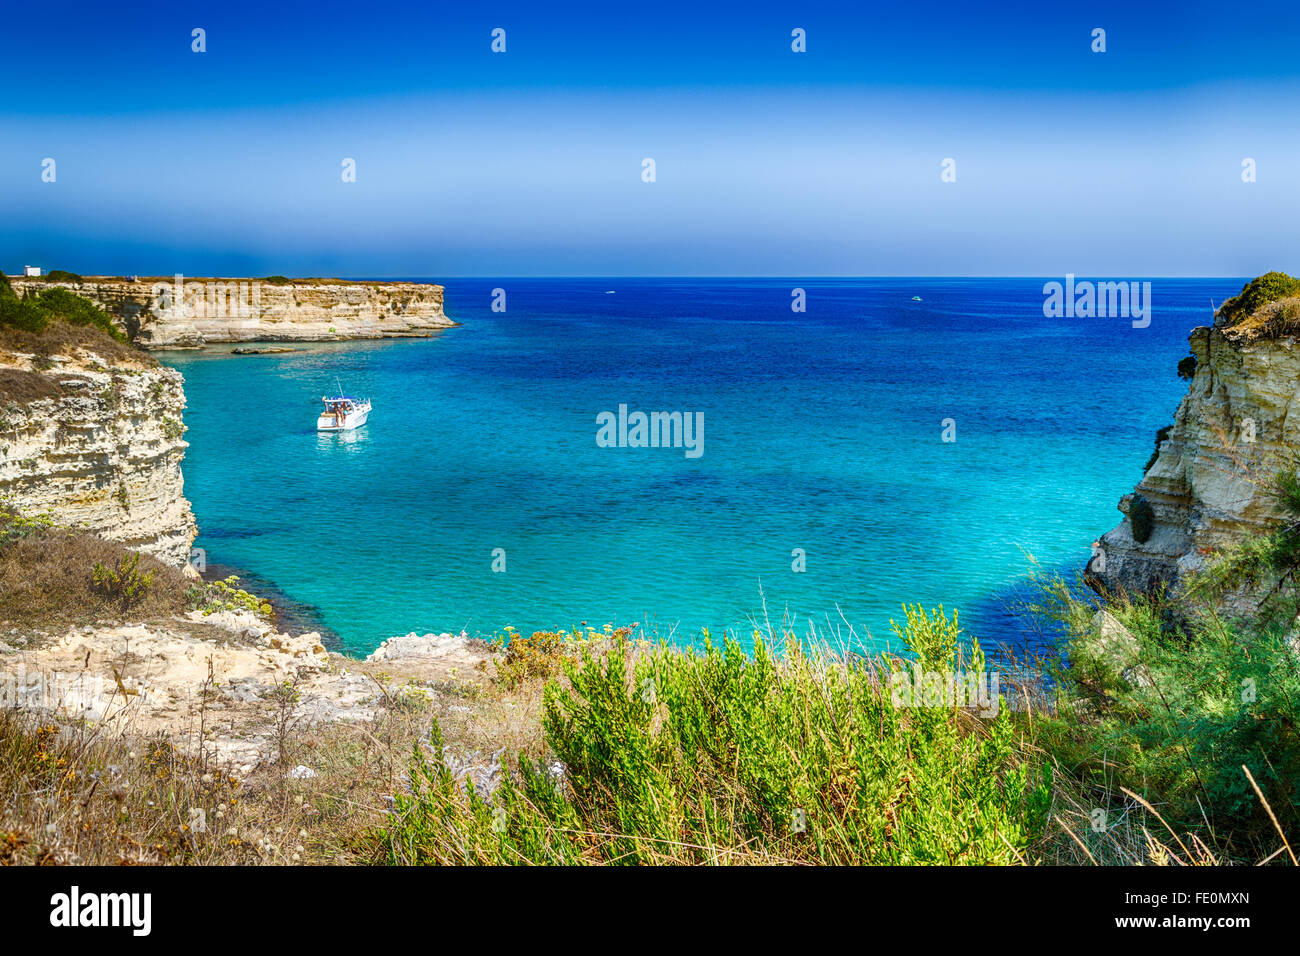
(855, 445)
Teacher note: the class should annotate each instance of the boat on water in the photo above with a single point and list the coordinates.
(343, 413)
(916, 298)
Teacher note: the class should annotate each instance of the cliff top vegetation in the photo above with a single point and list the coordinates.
(1267, 307)
(56, 322)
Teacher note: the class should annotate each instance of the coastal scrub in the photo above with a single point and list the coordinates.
(720, 756)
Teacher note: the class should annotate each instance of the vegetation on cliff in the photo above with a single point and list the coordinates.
(51, 576)
(723, 756)
(33, 312)
(1197, 715)
(1266, 307)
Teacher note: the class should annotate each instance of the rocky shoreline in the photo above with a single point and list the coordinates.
(222, 682)
(92, 442)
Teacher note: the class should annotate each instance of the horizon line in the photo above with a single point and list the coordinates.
(600, 275)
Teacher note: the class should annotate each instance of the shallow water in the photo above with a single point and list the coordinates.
(822, 431)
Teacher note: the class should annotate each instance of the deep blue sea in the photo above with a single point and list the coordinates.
(822, 431)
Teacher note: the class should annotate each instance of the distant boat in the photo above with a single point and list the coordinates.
(609, 292)
(343, 413)
(916, 298)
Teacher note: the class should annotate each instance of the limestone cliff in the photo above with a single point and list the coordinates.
(178, 312)
(1209, 484)
(91, 434)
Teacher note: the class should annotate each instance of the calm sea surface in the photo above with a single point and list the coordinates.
(822, 432)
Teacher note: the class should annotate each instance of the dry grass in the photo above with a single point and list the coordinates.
(21, 387)
(47, 579)
(1273, 320)
(61, 338)
(75, 794)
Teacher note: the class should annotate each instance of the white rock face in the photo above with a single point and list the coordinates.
(1210, 483)
(103, 453)
(420, 647)
(158, 314)
(153, 678)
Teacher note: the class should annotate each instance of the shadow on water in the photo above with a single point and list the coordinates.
(1010, 630)
(290, 615)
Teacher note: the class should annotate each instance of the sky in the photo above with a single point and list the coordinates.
(468, 162)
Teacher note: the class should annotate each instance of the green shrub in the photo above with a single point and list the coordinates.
(543, 655)
(1187, 367)
(33, 312)
(62, 275)
(23, 313)
(125, 584)
(1161, 435)
(1256, 293)
(1265, 565)
(213, 596)
(719, 756)
(77, 310)
(1177, 716)
(14, 525)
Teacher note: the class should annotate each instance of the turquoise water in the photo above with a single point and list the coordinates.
(822, 431)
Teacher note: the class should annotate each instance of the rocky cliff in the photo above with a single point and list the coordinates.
(91, 433)
(1209, 485)
(176, 312)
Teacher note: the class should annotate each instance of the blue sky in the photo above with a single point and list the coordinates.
(768, 162)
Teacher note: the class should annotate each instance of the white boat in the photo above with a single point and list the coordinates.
(343, 413)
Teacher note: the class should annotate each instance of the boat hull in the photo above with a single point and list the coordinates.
(354, 419)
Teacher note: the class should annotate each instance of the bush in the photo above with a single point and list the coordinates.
(34, 312)
(542, 656)
(125, 585)
(722, 757)
(1175, 718)
(1187, 367)
(62, 275)
(22, 314)
(1161, 435)
(47, 578)
(222, 595)
(15, 526)
(1256, 293)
